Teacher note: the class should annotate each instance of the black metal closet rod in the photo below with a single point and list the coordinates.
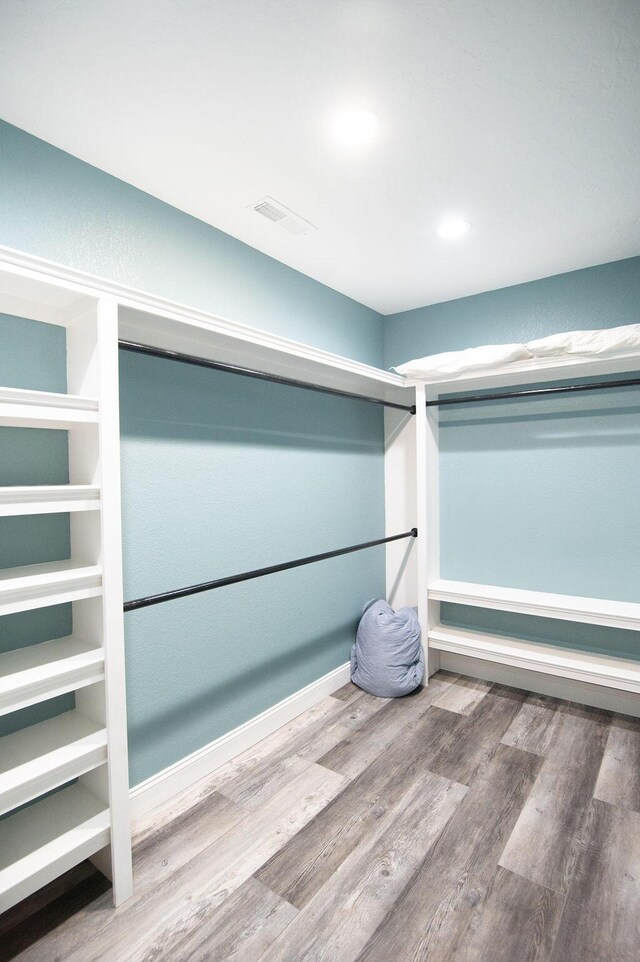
(259, 375)
(536, 392)
(258, 573)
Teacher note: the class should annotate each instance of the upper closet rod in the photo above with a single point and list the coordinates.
(536, 392)
(258, 573)
(249, 372)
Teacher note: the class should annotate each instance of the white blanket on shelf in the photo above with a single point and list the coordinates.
(614, 340)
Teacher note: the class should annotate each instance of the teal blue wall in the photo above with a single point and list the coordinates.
(538, 494)
(602, 296)
(219, 474)
(56, 206)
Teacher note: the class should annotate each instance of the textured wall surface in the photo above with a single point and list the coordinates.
(602, 296)
(56, 206)
(220, 475)
(538, 494)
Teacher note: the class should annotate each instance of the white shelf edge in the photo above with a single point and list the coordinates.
(592, 611)
(39, 672)
(48, 499)
(22, 408)
(525, 372)
(37, 759)
(46, 839)
(53, 583)
(195, 320)
(588, 667)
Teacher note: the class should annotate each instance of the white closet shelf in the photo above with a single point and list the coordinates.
(38, 672)
(590, 611)
(37, 759)
(42, 409)
(48, 499)
(607, 670)
(535, 370)
(53, 583)
(46, 839)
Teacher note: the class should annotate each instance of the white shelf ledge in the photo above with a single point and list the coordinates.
(53, 583)
(48, 499)
(46, 839)
(622, 673)
(566, 366)
(37, 759)
(33, 674)
(42, 409)
(590, 611)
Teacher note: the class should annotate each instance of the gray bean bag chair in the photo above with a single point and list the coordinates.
(387, 658)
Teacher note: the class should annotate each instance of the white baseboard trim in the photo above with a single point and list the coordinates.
(160, 788)
(584, 693)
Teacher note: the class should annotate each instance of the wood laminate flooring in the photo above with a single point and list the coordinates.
(468, 822)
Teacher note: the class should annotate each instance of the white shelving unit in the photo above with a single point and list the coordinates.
(460, 649)
(90, 818)
(80, 757)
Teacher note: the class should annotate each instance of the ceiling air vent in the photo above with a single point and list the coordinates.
(278, 214)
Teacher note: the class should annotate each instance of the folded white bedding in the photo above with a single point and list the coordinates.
(613, 340)
(457, 362)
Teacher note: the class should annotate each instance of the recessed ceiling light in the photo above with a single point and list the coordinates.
(355, 128)
(452, 227)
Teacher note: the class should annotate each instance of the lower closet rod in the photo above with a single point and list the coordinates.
(259, 375)
(258, 573)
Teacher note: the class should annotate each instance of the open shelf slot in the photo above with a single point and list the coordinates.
(43, 409)
(53, 583)
(613, 672)
(48, 499)
(590, 611)
(46, 839)
(35, 760)
(34, 674)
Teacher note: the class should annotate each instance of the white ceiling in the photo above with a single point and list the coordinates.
(521, 115)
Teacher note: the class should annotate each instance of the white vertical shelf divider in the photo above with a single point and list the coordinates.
(92, 359)
(424, 519)
(112, 601)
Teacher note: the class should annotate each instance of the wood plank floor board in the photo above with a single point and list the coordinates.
(463, 695)
(381, 830)
(304, 864)
(252, 785)
(175, 843)
(348, 692)
(601, 920)
(554, 823)
(533, 728)
(178, 805)
(517, 921)
(580, 735)
(619, 778)
(339, 920)
(169, 910)
(430, 919)
(397, 720)
(239, 930)
(473, 742)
